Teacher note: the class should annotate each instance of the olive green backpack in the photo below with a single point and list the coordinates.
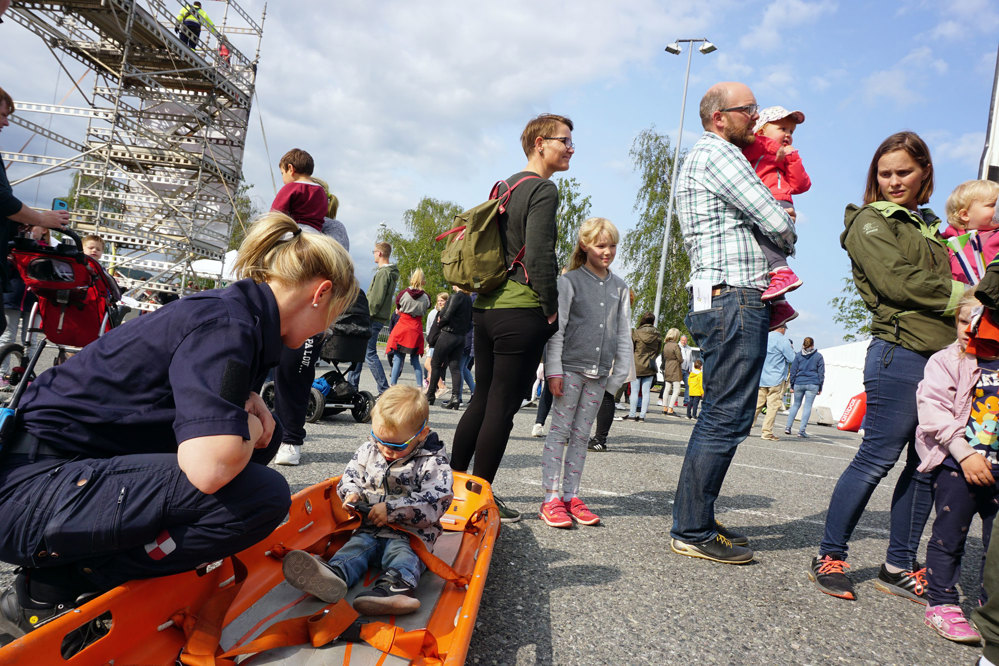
(474, 258)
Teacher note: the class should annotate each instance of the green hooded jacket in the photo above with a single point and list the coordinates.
(381, 293)
(902, 271)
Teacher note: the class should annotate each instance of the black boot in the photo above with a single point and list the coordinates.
(19, 613)
(453, 403)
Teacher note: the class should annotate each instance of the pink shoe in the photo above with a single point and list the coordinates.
(949, 621)
(782, 281)
(554, 514)
(582, 513)
(781, 312)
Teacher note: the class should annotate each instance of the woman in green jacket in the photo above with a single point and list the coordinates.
(902, 271)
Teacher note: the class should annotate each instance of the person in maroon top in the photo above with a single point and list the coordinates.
(302, 198)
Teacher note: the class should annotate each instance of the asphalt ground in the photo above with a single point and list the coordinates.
(616, 594)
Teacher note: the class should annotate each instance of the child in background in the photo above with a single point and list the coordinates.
(302, 199)
(594, 335)
(956, 439)
(403, 472)
(971, 234)
(696, 386)
(779, 166)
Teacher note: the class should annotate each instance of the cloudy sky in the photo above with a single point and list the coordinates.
(401, 100)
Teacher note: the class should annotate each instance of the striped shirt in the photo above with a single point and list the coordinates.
(720, 200)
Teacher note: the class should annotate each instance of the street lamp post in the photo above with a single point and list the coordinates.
(674, 48)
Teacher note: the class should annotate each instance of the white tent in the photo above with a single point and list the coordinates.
(844, 376)
(214, 267)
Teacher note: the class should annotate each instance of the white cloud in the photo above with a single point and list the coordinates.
(898, 84)
(779, 20)
(963, 148)
(959, 18)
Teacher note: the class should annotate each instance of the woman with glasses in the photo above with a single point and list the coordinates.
(513, 322)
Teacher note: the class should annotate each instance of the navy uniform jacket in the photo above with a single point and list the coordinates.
(183, 371)
(9, 205)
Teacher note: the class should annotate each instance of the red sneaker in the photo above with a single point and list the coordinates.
(781, 312)
(582, 513)
(554, 514)
(782, 281)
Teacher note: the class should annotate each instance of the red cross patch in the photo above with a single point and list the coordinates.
(161, 547)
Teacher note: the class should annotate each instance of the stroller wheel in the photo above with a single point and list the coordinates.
(314, 411)
(12, 364)
(363, 402)
(267, 394)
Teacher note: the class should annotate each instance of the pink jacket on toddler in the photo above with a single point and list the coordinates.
(943, 402)
(988, 242)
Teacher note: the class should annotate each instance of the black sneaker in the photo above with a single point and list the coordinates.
(390, 595)
(908, 584)
(718, 549)
(596, 445)
(506, 513)
(19, 613)
(310, 574)
(827, 573)
(736, 538)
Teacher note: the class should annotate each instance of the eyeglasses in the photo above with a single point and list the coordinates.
(748, 109)
(566, 141)
(398, 446)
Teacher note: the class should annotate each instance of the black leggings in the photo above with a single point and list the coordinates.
(293, 379)
(508, 346)
(447, 352)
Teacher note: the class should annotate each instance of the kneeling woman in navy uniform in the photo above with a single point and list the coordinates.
(146, 454)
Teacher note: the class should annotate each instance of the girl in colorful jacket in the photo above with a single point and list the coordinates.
(958, 401)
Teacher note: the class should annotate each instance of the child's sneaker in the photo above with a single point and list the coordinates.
(390, 595)
(949, 621)
(908, 584)
(310, 574)
(782, 281)
(581, 513)
(554, 514)
(781, 312)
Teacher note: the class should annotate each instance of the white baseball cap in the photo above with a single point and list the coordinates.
(772, 113)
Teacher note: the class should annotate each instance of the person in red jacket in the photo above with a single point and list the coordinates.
(778, 165)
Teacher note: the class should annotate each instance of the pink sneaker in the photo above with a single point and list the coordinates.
(781, 312)
(949, 621)
(554, 514)
(782, 281)
(582, 513)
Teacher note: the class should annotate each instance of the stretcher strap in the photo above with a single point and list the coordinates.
(317, 630)
(204, 630)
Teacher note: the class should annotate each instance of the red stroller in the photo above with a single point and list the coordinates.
(77, 299)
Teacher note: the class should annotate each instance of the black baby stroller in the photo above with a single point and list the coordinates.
(331, 393)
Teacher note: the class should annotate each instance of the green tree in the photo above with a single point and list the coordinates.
(652, 153)
(418, 248)
(850, 312)
(572, 210)
(244, 212)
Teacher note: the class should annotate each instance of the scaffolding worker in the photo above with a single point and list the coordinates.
(189, 22)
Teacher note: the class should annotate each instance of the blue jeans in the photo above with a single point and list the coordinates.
(645, 385)
(466, 375)
(374, 363)
(804, 395)
(364, 550)
(732, 334)
(397, 361)
(891, 374)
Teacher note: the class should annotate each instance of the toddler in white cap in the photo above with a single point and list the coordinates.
(778, 165)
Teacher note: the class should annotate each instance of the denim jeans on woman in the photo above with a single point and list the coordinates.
(732, 334)
(645, 384)
(804, 395)
(891, 374)
(397, 360)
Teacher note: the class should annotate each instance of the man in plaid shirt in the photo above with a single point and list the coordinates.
(721, 201)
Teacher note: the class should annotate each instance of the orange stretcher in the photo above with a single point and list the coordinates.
(243, 610)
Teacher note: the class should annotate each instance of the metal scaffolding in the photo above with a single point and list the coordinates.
(159, 167)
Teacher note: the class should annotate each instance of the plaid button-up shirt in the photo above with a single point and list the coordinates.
(720, 199)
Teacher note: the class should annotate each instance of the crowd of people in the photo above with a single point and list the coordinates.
(182, 455)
